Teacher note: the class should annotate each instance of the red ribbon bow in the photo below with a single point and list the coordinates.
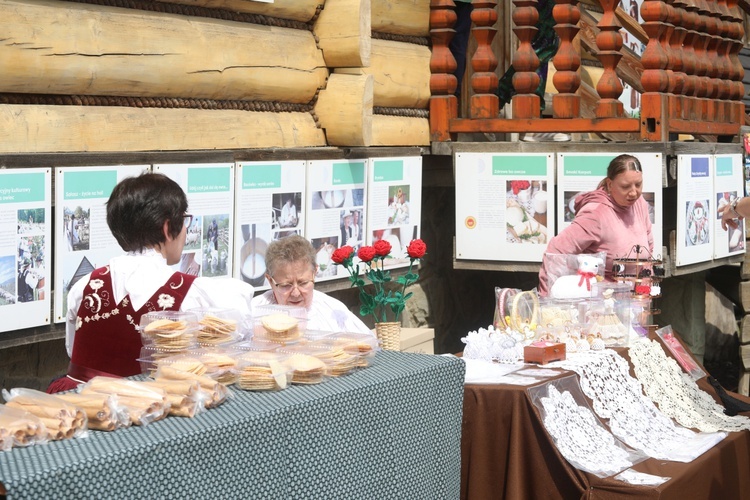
(586, 276)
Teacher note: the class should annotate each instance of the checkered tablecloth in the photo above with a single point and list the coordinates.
(392, 430)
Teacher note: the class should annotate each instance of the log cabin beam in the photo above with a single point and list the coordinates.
(344, 108)
(401, 17)
(344, 33)
(53, 129)
(297, 10)
(400, 131)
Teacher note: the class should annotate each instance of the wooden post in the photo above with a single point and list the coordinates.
(676, 61)
(443, 103)
(566, 103)
(655, 80)
(609, 42)
(484, 81)
(691, 82)
(525, 103)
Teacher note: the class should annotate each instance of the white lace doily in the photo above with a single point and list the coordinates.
(579, 436)
(677, 394)
(605, 379)
(494, 345)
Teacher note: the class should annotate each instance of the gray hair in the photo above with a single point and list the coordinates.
(287, 250)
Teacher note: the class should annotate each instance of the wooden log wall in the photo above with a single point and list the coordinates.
(134, 75)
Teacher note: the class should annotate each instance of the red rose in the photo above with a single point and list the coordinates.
(416, 249)
(382, 248)
(366, 254)
(341, 254)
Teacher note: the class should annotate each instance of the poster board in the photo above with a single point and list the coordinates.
(394, 204)
(210, 238)
(336, 210)
(269, 204)
(83, 239)
(503, 207)
(696, 208)
(581, 172)
(728, 186)
(25, 247)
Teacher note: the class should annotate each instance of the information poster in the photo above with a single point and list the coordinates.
(696, 207)
(336, 210)
(83, 239)
(25, 247)
(578, 173)
(210, 236)
(503, 207)
(728, 185)
(394, 202)
(270, 201)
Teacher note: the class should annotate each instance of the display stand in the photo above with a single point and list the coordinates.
(644, 272)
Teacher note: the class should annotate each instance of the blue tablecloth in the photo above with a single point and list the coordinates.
(392, 430)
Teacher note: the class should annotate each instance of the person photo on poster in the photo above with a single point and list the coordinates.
(697, 229)
(7, 280)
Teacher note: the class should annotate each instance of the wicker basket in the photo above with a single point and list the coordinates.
(389, 335)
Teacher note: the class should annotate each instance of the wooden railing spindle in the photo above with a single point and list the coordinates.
(443, 103)
(567, 80)
(484, 81)
(609, 42)
(525, 103)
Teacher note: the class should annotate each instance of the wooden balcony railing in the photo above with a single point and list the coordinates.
(691, 79)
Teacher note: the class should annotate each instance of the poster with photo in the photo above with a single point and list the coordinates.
(728, 184)
(210, 193)
(336, 210)
(578, 173)
(269, 205)
(25, 247)
(696, 208)
(503, 207)
(394, 204)
(83, 241)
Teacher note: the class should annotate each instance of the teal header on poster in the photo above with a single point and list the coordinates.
(388, 170)
(89, 184)
(723, 166)
(22, 188)
(585, 166)
(208, 179)
(261, 176)
(519, 165)
(348, 173)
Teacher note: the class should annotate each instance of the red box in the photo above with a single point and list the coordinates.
(543, 352)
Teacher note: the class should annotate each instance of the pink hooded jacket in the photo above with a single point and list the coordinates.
(601, 225)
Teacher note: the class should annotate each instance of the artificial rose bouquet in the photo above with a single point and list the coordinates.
(383, 298)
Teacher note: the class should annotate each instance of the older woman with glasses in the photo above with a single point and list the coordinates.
(290, 269)
(146, 215)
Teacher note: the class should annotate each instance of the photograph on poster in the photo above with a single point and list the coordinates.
(216, 244)
(329, 199)
(324, 248)
(255, 239)
(7, 280)
(650, 200)
(76, 221)
(569, 198)
(525, 212)
(189, 264)
(286, 210)
(74, 270)
(722, 200)
(351, 228)
(398, 205)
(399, 238)
(31, 272)
(697, 230)
(194, 234)
(735, 241)
(31, 221)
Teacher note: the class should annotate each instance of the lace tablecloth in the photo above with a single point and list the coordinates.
(391, 430)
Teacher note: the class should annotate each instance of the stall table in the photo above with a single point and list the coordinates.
(391, 430)
(507, 453)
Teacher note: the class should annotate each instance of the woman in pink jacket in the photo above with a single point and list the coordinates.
(610, 219)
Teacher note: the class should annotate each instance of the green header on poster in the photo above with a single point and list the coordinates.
(388, 170)
(348, 173)
(22, 188)
(723, 166)
(587, 166)
(208, 179)
(88, 184)
(261, 176)
(519, 165)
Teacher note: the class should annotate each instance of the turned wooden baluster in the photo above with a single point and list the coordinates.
(737, 72)
(691, 81)
(609, 42)
(484, 81)
(676, 62)
(566, 104)
(726, 71)
(655, 60)
(525, 103)
(443, 83)
(703, 60)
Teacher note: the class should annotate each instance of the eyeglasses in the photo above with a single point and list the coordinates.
(188, 219)
(285, 288)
